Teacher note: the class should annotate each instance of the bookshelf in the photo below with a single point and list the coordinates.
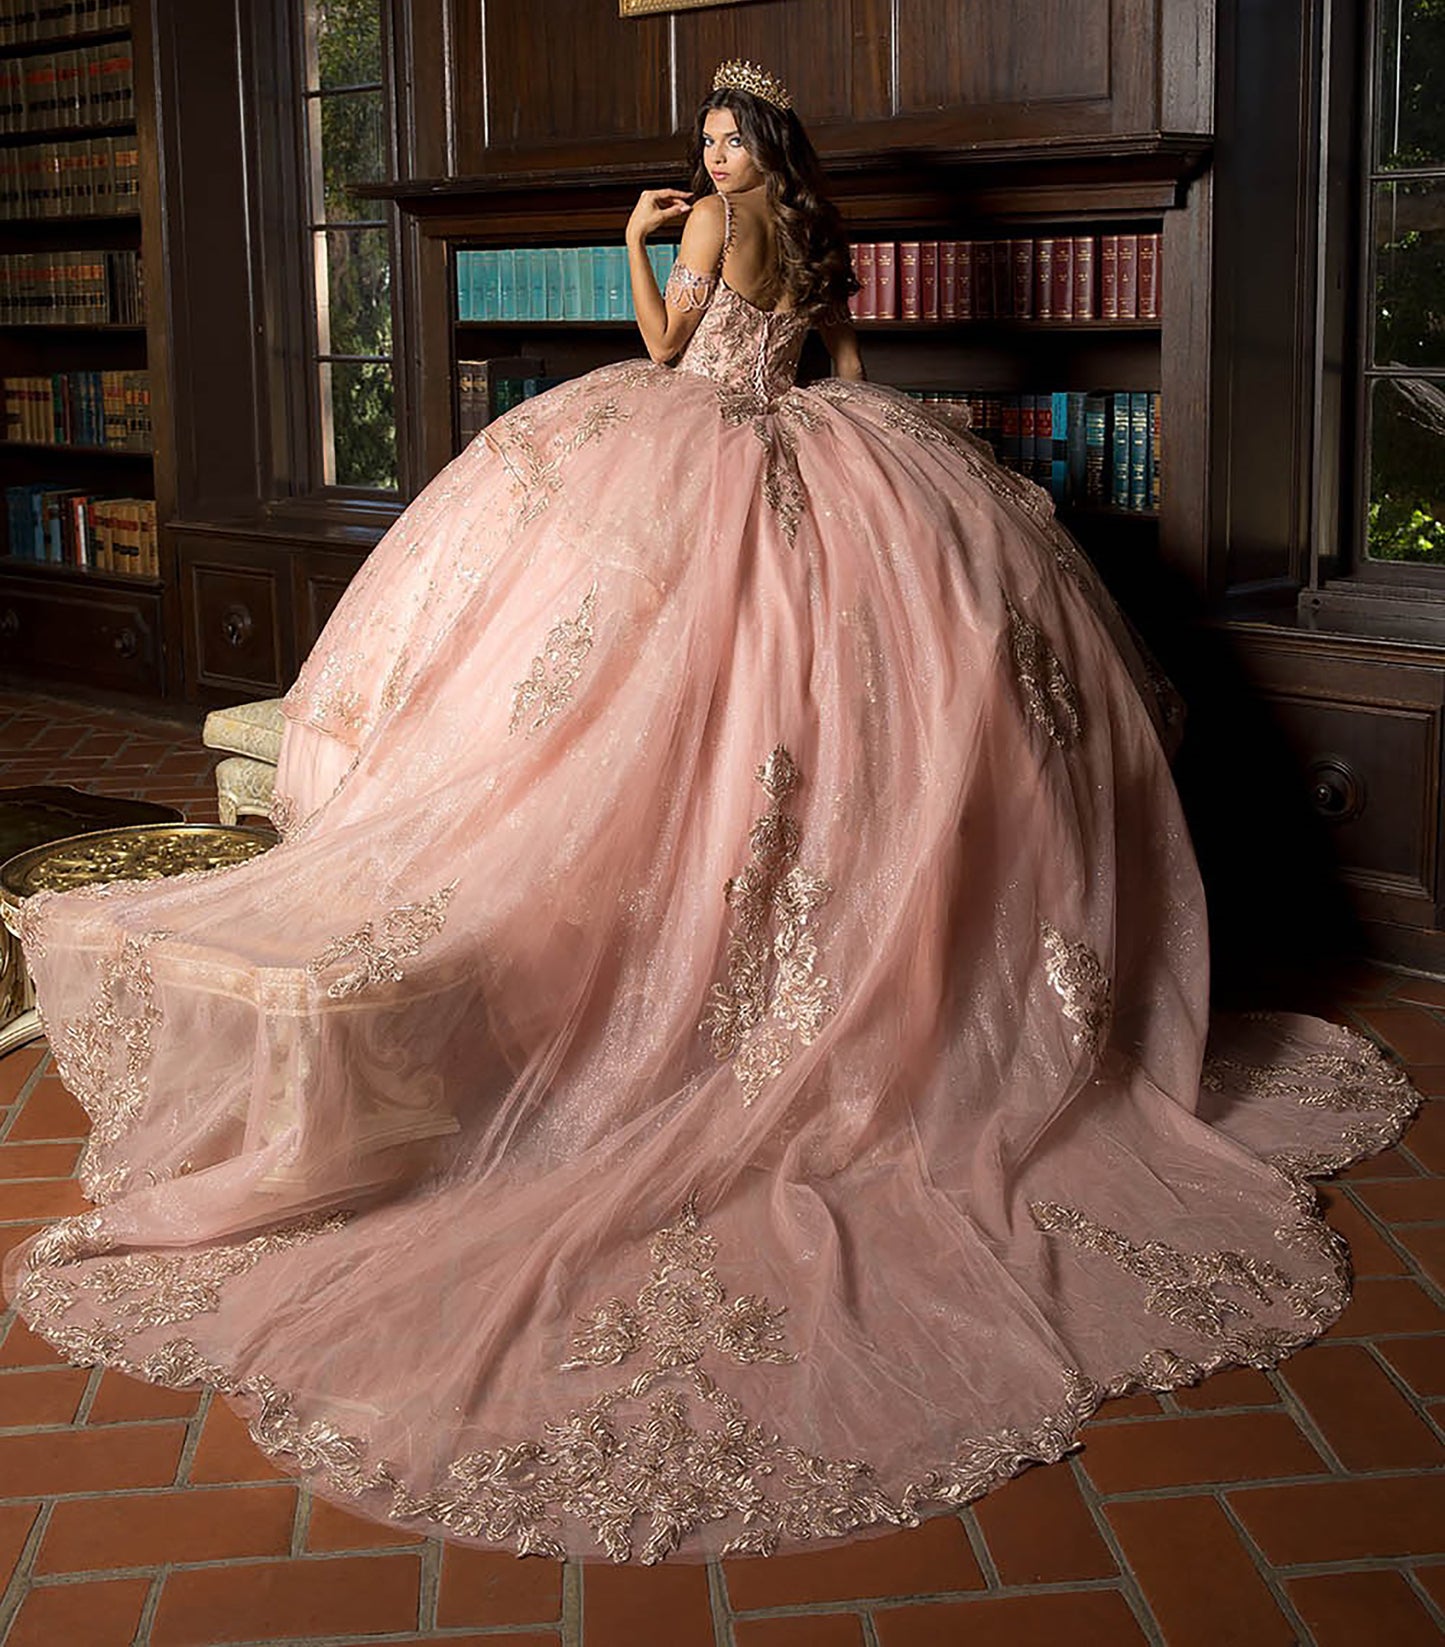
(1010, 357)
(82, 591)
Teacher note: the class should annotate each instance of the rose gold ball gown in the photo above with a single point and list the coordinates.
(718, 1059)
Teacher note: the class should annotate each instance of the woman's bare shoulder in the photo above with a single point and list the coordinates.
(702, 233)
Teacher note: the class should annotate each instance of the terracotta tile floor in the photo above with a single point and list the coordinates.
(1305, 1506)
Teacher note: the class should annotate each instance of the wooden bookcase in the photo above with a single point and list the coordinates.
(64, 623)
(1148, 185)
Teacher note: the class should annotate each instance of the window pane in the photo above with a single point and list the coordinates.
(343, 40)
(1407, 470)
(1410, 274)
(353, 134)
(1410, 92)
(353, 291)
(359, 422)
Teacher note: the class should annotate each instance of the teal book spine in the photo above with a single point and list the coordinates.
(507, 284)
(1139, 451)
(491, 306)
(552, 283)
(572, 283)
(1074, 490)
(1156, 464)
(1059, 447)
(597, 279)
(1119, 451)
(464, 285)
(617, 292)
(536, 284)
(479, 285)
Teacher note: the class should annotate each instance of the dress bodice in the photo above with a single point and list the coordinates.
(746, 350)
(743, 348)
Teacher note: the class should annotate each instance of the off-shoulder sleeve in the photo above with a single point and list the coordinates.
(688, 290)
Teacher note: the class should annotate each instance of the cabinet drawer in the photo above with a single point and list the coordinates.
(237, 619)
(101, 636)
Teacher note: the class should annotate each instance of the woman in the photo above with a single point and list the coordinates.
(716, 1060)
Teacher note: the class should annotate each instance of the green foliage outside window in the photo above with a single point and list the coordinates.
(1406, 515)
(349, 143)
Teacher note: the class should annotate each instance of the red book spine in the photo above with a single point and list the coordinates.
(864, 302)
(1148, 277)
(964, 298)
(910, 297)
(886, 262)
(1023, 283)
(948, 279)
(1063, 293)
(983, 308)
(1044, 277)
(1108, 277)
(1128, 276)
(928, 279)
(1084, 278)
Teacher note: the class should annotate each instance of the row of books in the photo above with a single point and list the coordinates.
(487, 388)
(22, 21)
(552, 282)
(86, 177)
(65, 526)
(90, 86)
(1099, 450)
(93, 288)
(110, 409)
(1038, 277)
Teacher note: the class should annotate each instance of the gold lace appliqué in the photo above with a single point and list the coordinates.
(537, 477)
(549, 684)
(379, 950)
(1076, 975)
(1193, 1290)
(104, 1055)
(1360, 1082)
(759, 1015)
(1049, 695)
(686, 1455)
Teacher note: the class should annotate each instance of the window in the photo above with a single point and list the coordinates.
(1404, 328)
(348, 136)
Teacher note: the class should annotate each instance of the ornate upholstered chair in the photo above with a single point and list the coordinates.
(250, 734)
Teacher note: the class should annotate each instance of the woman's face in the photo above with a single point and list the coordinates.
(729, 164)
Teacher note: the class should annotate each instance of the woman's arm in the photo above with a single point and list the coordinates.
(665, 327)
(841, 341)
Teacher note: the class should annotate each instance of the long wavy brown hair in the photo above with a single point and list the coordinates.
(815, 269)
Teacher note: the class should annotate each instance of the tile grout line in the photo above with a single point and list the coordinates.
(1418, 1404)
(1432, 1608)
(718, 1605)
(19, 1585)
(571, 1604)
(1129, 1585)
(1265, 1568)
(978, 1540)
(149, 1608)
(429, 1584)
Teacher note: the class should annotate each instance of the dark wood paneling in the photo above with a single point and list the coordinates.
(320, 579)
(1363, 722)
(208, 255)
(67, 630)
(1005, 51)
(585, 76)
(833, 55)
(238, 617)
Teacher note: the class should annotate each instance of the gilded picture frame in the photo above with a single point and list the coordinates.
(645, 8)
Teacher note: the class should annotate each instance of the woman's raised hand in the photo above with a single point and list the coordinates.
(654, 208)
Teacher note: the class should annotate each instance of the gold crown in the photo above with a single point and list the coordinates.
(736, 75)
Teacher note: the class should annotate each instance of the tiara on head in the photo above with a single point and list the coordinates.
(736, 75)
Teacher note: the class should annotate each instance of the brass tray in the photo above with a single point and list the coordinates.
(135, 852)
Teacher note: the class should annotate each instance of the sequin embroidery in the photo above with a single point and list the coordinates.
(555, 671)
